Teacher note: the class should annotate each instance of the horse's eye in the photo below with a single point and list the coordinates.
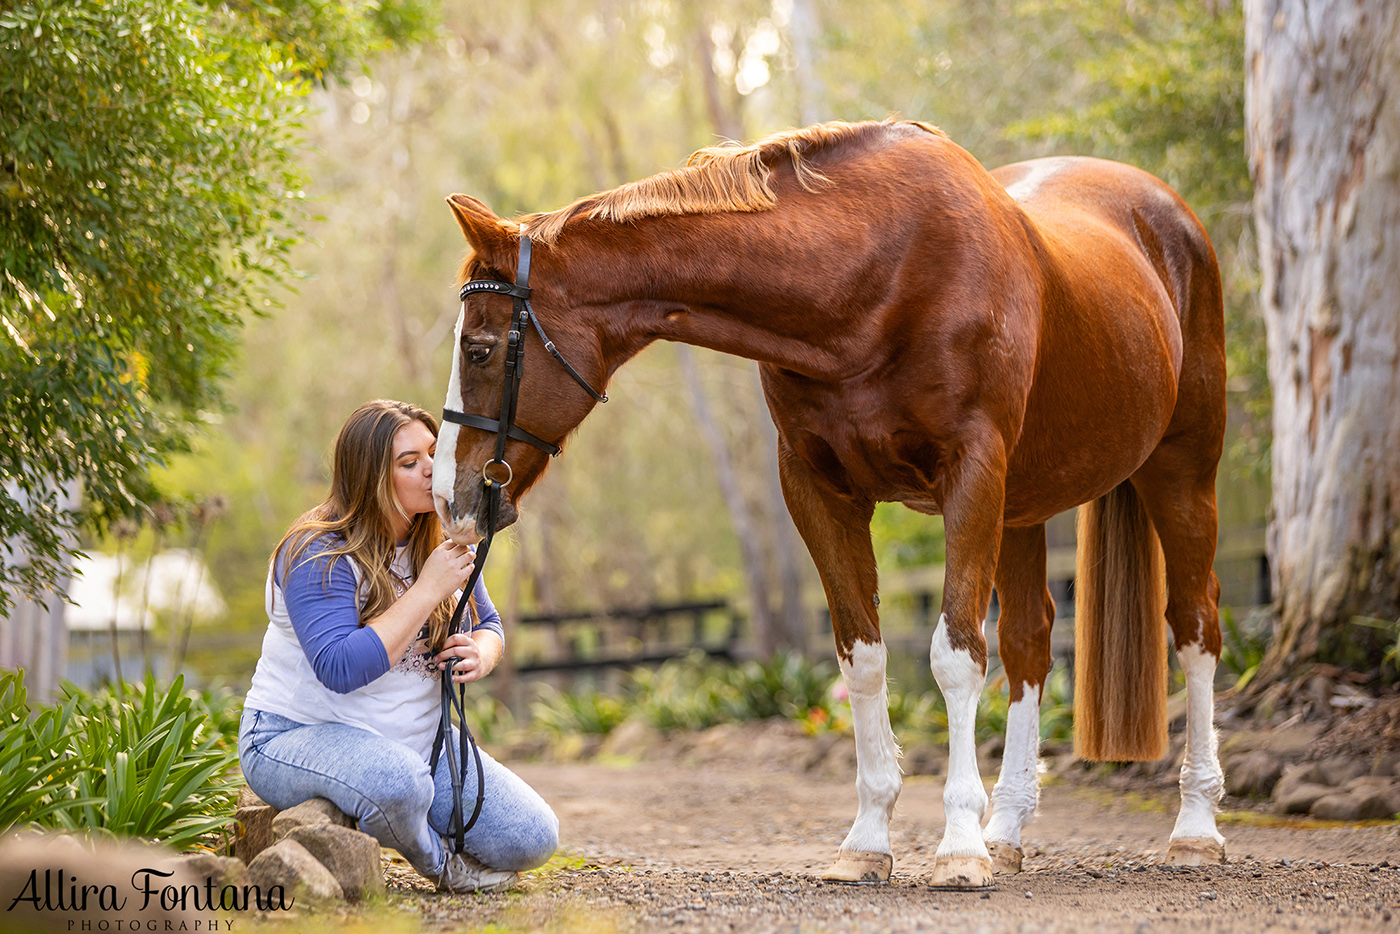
(477, 353)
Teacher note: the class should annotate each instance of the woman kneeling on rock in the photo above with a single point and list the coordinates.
(345, 701)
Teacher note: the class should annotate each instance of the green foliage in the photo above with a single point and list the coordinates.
(683, 694)
(149, 195)
(696, 693)
(488, 719)
(36, 771)
(1385, 636)
(155, 765)
(786, 685)
(588, 712)
(1242, 647)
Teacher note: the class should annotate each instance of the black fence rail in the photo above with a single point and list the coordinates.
(624, 637)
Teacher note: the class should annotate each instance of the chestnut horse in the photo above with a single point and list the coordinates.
(995, 347)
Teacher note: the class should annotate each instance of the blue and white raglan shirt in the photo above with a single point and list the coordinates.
(319, 665)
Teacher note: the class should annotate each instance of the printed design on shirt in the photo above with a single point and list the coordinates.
(419, 658)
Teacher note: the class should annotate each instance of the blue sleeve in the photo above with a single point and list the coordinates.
(325, 612)
(486, 611)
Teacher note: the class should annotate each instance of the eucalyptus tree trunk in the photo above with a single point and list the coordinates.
(1323, 112)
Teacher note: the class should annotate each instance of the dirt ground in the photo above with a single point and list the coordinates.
(711, 844)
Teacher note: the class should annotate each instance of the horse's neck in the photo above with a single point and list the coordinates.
(731, 283)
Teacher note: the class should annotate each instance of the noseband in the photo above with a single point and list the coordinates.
(496, 475)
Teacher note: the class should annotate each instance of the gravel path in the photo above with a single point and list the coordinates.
(711, 847)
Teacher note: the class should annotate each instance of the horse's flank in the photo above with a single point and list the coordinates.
(719, 179)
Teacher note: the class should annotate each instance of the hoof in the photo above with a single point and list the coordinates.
(859, 867)
(962, 872)
(1006, 859)
(1195, 851)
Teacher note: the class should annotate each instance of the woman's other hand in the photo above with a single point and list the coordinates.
(447, 569)
(469, 665)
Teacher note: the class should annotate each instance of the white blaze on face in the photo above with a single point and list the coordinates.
(445, 461)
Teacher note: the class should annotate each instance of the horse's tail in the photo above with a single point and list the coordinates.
(1120, 644)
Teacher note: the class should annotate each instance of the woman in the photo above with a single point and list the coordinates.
(344, 704)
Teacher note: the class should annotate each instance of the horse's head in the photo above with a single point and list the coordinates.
(549, 403)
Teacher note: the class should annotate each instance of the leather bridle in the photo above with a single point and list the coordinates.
(496, 475)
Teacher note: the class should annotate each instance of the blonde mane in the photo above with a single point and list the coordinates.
(718, 179)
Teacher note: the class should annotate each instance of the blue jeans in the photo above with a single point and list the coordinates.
(387, 788)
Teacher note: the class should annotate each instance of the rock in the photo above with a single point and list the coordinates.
(352, 857)
(288, 864)
(1359, 804)
(308, 814)
(1386, 763)
(27, 860)
(1301, 797)
(223, 870)
(254, 831)
(1383, 787)
(1341, 769)
(1295, 775)
(1253, 773)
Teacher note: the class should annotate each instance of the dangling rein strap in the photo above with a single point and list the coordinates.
(457, 700)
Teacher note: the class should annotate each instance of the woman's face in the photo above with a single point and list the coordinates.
(414, 445)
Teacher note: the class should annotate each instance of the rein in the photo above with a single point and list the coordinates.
(494, 480)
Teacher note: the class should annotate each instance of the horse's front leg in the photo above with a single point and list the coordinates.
(836, 528)
(972, 514)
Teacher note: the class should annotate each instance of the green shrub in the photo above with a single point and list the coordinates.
(693, 693)
(488, 719)
(785, 686)
(587, 712)
(37, 772)
(157, 765)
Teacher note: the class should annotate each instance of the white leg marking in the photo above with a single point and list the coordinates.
(960, 679)
(877, 756)
(445, 461)
(1018, 790)
(1202, 782)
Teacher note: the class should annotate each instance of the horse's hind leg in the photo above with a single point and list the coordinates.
(1023, 642)
(1180, 497)
(836, 529)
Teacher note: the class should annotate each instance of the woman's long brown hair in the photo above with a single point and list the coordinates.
(354, 520)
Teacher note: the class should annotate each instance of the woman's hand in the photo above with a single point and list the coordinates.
(447, 569)
(470, 665)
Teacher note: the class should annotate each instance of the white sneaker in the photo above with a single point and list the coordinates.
(463, 873)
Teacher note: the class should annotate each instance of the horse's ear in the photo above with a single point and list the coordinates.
(488, 235)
